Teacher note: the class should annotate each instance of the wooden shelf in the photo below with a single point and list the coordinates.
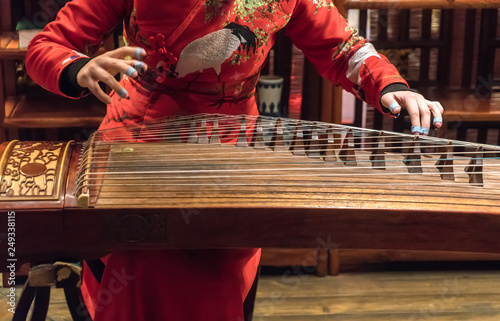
(464, 106)
(9, 46)
(422, 4)
(52, 111)
(27, 105)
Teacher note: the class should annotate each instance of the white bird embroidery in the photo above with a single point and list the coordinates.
(213, 49)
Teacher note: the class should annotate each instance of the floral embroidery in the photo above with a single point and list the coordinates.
(257, 11)
(245, 8)
(347, 45)
(132, 29)
(264, 17)
(214, 8)
(328, 4)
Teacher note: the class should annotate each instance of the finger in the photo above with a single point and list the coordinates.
(440, 107)
(425, 115)
(131, 68)
(140, 66)
(109, 80)
(99, 93)
(437, 113)
(414, 113)
(390, 102)
(127, 51)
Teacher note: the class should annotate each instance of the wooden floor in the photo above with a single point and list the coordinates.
(373, 296)
(384, 296)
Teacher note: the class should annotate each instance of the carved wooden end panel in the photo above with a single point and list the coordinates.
(32, 171)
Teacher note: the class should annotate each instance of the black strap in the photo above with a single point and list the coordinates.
(24, 304)
(41, 296)
(41, 306)
(76, 304)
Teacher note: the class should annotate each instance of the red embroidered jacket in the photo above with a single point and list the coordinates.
(217, 47)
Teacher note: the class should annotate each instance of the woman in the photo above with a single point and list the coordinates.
(190, 57)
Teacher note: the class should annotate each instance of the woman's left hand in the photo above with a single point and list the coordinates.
(419, 109)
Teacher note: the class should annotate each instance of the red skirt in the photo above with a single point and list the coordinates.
(171, 285)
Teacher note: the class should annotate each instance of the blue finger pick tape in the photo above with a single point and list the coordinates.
(393, 106)
(122, 93)
(419, 129)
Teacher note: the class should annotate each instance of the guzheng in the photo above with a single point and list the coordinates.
(219, 181)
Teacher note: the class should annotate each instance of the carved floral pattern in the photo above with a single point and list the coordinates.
(17, 183)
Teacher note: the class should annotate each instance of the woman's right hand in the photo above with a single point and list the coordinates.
(106, 66)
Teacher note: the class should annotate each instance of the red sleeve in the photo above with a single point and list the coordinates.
(77, 32)
(338, 52)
